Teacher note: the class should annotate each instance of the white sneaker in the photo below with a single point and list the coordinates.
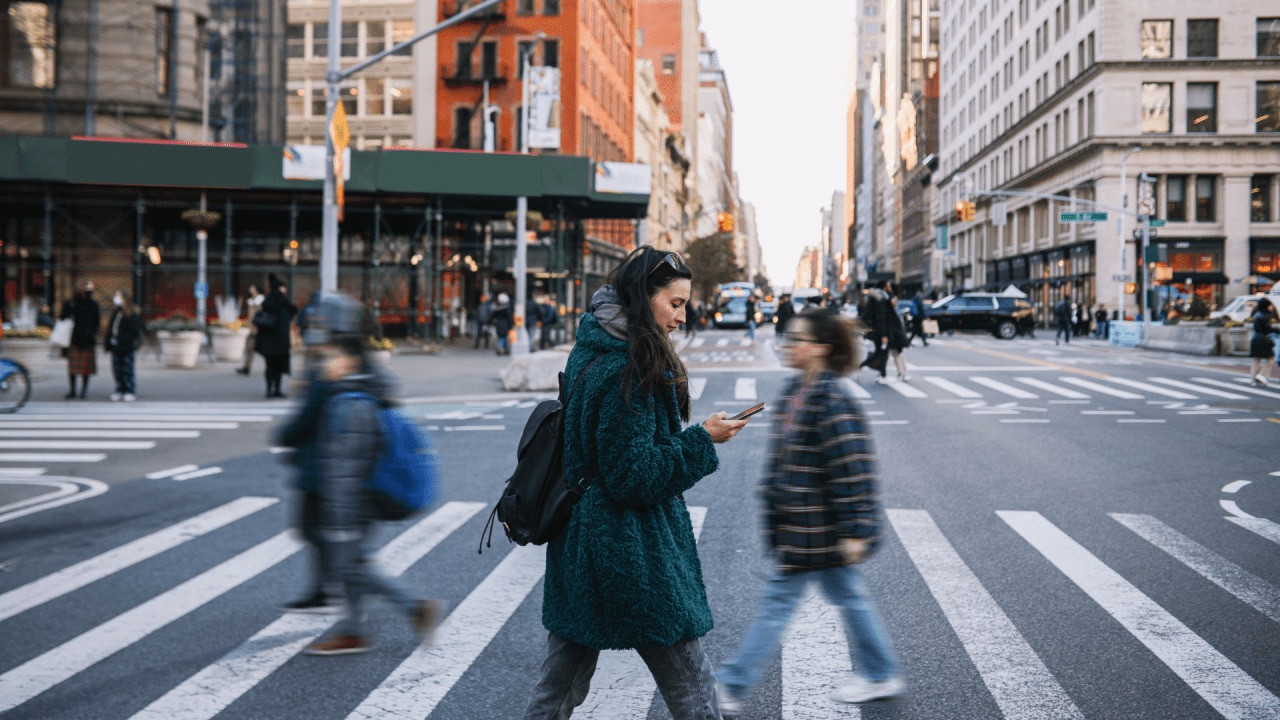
(130, 397)
(882, 380)
(859, 689)
(729, 704)
(115, 397)
(904, 378)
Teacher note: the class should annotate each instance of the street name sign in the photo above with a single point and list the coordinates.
(1157, 223)
(1122, 277)
(1070, 217)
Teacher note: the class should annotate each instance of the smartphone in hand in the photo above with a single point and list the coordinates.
(748, 412)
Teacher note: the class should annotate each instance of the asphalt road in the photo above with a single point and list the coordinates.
(1070, 532)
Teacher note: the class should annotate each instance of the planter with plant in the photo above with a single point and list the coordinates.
(181, 338)
(379, 350)
(228, 334)
(1235, 338)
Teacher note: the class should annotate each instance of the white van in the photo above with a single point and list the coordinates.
(1240, 309)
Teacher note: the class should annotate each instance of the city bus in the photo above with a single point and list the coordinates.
(731, 304)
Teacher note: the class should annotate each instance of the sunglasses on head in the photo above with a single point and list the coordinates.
(672, 259)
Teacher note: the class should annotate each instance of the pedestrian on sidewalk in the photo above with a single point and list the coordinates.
(692, 317)
(1100, 327)
(124, 337)
(751, 318)
(875, 313)
(897, 339)
(502, 320)
(625, 572)
(1262, 345)
(547, 318)
(786, 311)
(917, 321)
(484, 315)
(82, 355)
(821, 516)
(274, 336)
(252, 301)
(1063, 312)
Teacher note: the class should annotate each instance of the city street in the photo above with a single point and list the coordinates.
(1074, 531)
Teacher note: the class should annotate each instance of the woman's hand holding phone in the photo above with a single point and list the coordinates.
(721, 428)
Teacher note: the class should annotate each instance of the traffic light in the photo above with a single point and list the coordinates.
(965, 210)
(724, 222)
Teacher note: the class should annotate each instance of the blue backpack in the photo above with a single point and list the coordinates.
(407, 476)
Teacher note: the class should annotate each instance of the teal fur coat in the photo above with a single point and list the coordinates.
(626, 574)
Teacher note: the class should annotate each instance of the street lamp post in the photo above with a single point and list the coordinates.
(1124, 203)
(1146, 267)
(520, 266)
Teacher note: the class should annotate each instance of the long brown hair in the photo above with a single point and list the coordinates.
(654, 362)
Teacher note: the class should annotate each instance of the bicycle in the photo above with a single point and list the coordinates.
(15, 385)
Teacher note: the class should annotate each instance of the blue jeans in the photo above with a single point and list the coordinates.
(682, 672)
(360, 575)
(122, 370)
(841, 585)
(751, 329)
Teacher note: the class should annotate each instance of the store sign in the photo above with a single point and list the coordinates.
(544, 107)
(624, 178)
(306, 162)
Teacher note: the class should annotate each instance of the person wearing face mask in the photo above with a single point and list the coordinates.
(85, 317)
(124, 337)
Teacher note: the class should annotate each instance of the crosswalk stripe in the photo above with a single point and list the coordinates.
(1006, 389)
(744, 389)
(1097, 387)
(953, 388)
(121, 425)
(1251, 391)
(1221, 683)
(696, 386)
(855, 389)
(102, 434)
(1259, 526)
(698, 342)
(52, 457)
(74, 577)
(1148, 387)
(80, 653)
(622, 686)
(906, 390)
(1249, 588)
(814, 655)
(1199, 389)
(417, 685)
(76, 444)
(110, 420)
(1021, 685)
(211, 690)
(1051, 388)
(722, 342)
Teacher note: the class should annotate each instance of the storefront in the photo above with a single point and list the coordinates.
(1047, 277)
(1184, 271)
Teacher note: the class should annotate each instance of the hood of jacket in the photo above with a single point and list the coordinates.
(606, 306)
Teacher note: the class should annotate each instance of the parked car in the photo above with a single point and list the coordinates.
(1002, 315)
(1240, 309)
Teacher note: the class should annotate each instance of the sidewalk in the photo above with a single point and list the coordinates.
(457, 370)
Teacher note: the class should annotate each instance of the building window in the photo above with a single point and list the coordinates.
(402, 30)
(551, 53)
(296, 41)
(1202, 38)
(1175, 198)
(375, 97)
(320, 40)
(1268, 37)
(524, 7)
(550, 7)
(1268, 118)
(1157, 39)
(1157, 99)
(164, 51)
(375, 32)
(29, 34)
(401, 91)
(639, 37)
(523, 48)
(466, 51)
(489, 60)
(296, 102)
(1260, 199)
(350, 39)
(1206, 198)
(462, 127)
(668, 64)
(317, 100)
(1202, 107)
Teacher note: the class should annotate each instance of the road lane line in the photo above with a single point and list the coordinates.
(1229, 386)
(1017, 678)
(198, 473)
(1222, 684)
(1234, 487)
(622, 686)
(1096, 387)
(855, 389)
(1199, 389)
(102, 434)
(22, 472)
(1003, 388)
(1050, 387)
(696, 386)
(1148, 387)
(814, 653)
(905, 389)
(1245, 586)
(76, 445)
(39, 674)
(111, 420)
(211, 690)
(1259, 526)
(52, 457)
(91, 488)
(1240, 420)
(83, 425)
(74, 577)
(1026, 421)
(744, 389)
(1106, 412)
(162, 474)
(1140, 421)
(953, 388)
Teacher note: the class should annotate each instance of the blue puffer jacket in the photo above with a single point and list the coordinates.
(626, 574)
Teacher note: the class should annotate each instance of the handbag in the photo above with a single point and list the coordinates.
(264, 320)
(60, 336)
(929, 326)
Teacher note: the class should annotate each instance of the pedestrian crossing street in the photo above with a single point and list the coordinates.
(1013, 670)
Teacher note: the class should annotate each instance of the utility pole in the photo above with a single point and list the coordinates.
(1124, 204)
(521, 264)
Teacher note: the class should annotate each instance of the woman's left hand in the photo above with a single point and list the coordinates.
(853, 550)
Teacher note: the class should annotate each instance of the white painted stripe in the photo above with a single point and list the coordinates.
(52, 457)
(76, 445)
(198, 473)
(1259, 526)
(102, 434)
(1233, 487)
(162, 474)
(746, 342)
(890, 422)
(1051, 388)
(211, 690)
(698, 341)
(1231, 507)
(1107, 412)
(84, 489)
(420, 682)
(120, 425)
(906, 390)
(1199, 389)
(1212, 676)
(1026, 421)
(1140, 421)
(1148, 387)
(744, 389)
(953, 388)
(1019, 682)
(855, 389)
(153, 418)
(696, 386)
(722, 342)
(814, 654)
(1096, 387)
(22, 472)
(76, 576)
(1247, 587)
(185, 408)
(1006, 389)
(1240, 420)
(474, 428)
(80, 653)
(622, 686)
(1250, 390)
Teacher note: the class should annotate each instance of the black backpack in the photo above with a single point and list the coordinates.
(536, 503)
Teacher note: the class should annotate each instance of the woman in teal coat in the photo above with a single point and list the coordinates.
(625, 573)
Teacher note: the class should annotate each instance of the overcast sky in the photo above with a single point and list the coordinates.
(786, 65)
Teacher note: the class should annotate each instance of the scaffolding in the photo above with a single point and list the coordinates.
(246, 52)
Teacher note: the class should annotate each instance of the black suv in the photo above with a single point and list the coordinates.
(1001, 315)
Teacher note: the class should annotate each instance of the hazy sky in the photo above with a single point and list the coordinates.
(786, 65)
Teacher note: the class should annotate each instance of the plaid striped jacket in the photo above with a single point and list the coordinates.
(820, 484)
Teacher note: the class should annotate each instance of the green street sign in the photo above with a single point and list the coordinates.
(1070, 217)
(1157, 223)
